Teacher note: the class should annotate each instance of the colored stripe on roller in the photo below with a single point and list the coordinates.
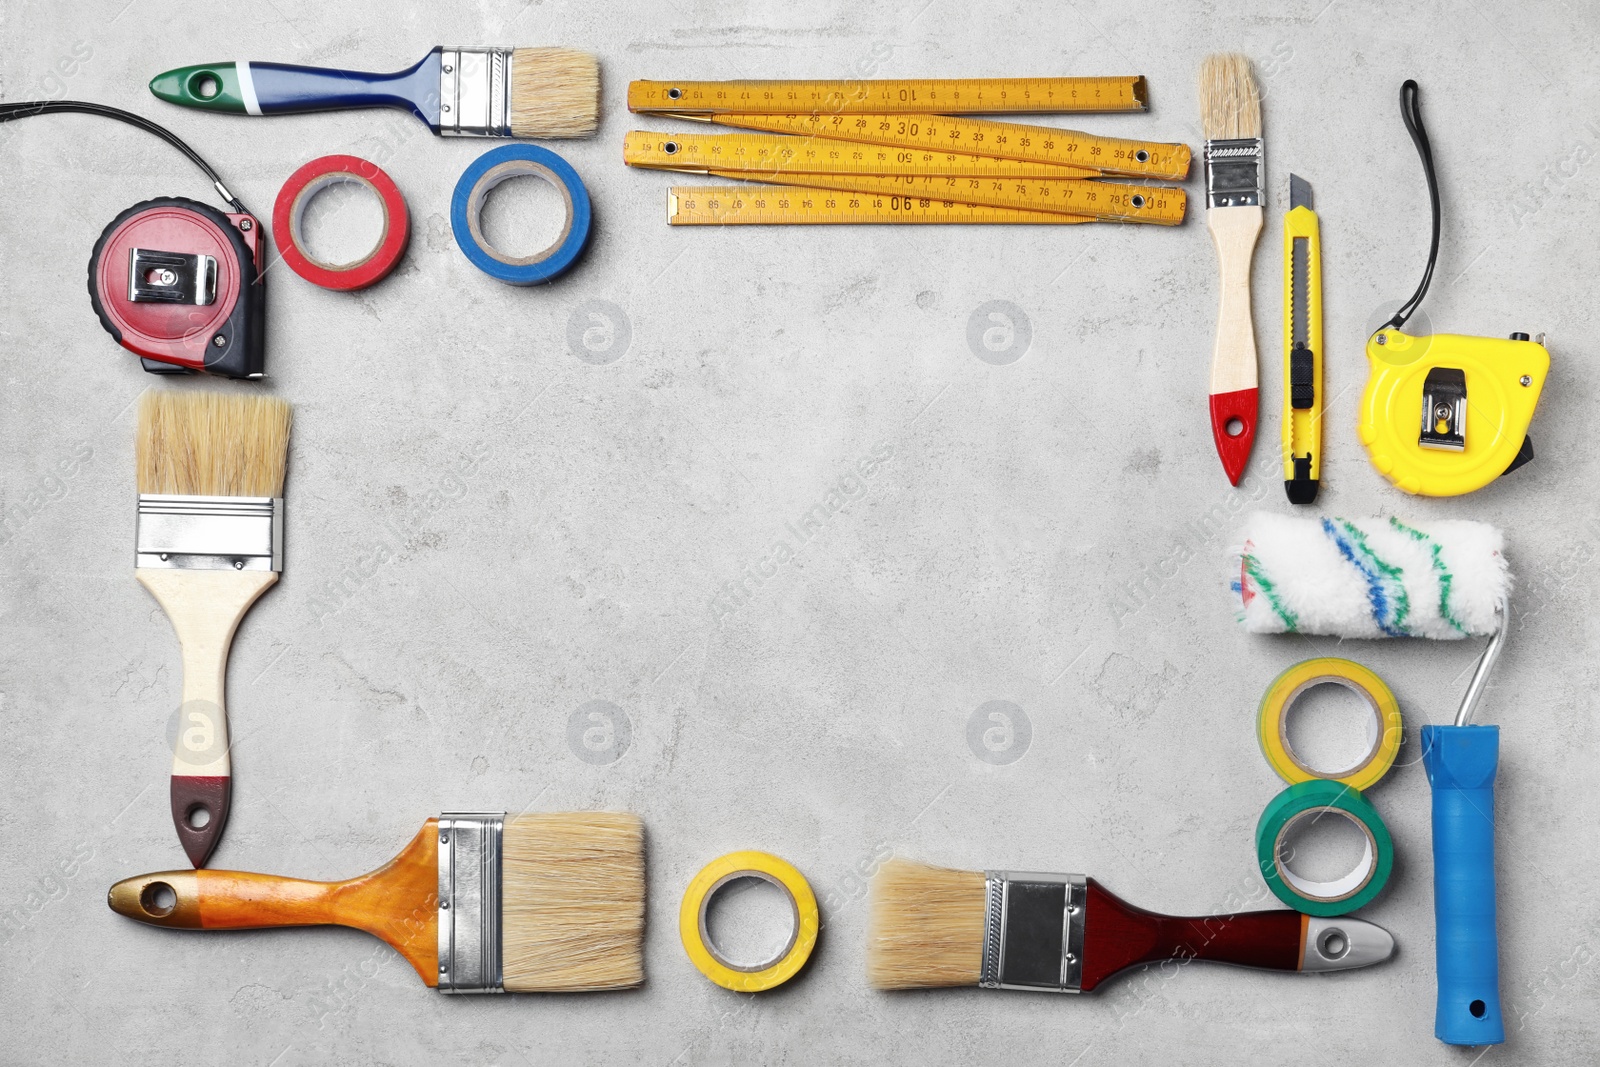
(1383, 732)
(288, 216)
(697, 942)
(488, 171)
(1307, 802)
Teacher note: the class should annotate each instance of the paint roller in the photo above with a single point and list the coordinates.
(1446, 580)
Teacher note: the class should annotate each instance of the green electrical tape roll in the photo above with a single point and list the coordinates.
(1306, 802)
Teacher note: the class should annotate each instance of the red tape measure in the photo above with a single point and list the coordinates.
(289, 212)
(180, 284)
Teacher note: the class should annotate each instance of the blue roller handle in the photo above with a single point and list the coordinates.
(1461, 762)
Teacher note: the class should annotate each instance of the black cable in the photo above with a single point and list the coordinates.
(1411, 112)
(27, 108)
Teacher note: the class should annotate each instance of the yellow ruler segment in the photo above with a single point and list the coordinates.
(1106, 201)
(760, 205)
(951, 96)
(939, 133)
(771, 153)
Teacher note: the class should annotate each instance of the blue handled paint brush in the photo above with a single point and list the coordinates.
(474, 92)
(1444, 580)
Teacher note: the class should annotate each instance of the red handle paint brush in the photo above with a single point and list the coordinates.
(1064, 933)
(1230, 109)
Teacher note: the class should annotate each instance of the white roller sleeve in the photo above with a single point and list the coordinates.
(1370, 577)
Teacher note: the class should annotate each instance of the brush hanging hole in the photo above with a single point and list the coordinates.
(205, 86)
(198, 817)
(750, 921)
(1478, 1008)
(1234, 427)
(158, 899)
(1333, 944)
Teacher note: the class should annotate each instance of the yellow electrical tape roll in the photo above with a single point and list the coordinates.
(1383, 734)
(697, 943)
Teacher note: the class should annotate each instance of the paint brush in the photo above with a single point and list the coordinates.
(1230, 112)
(475, 92)
(477, 902)
(1064, 933)
(209, 542)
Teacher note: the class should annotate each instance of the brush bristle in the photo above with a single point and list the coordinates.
(207, 443)
(926, 927)
(1230, 102)
(555, 92)
(572, 902)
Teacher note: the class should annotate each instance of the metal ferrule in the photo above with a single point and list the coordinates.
(1234, 172)
(475, 92)
(469, 901)
(213, 533)
(1033, 931)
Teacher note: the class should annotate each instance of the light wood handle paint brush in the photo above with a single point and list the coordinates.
(1230, 109)
(477, 902)
(1064, 933)
(209, 542)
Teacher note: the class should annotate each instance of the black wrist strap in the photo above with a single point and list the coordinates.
(21, 109)
(1411, 112)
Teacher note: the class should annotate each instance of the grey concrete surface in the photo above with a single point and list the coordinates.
(491, 525)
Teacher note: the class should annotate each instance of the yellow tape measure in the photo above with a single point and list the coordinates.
(760, 205)
(1007, 140)
(956, 96)
(765, 154)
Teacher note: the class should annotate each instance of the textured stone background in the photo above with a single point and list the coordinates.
(489, 529)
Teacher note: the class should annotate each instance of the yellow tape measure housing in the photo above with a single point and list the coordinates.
(697, 943)
(1499, 383)
(947, 95)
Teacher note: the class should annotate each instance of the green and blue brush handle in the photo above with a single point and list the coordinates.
(1461, 763)
(251, 88)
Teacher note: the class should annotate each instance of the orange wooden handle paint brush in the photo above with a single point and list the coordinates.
(477, 902)
(1230, 109)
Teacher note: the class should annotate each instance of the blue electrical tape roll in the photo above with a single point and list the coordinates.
(488, 171)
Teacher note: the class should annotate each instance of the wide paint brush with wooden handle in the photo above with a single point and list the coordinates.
(209, 542)
(1065, 933)
(477, 902)
(1230, 109)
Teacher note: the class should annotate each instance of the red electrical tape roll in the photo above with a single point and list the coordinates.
(289, 211)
